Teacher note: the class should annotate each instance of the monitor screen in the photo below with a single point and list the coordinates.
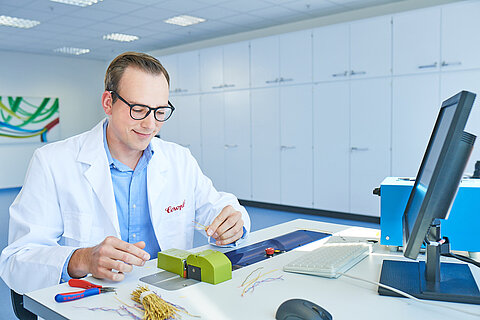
(430, 200)
(440, 172)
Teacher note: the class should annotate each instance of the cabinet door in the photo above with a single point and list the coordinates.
(187, 107)
(188, 72)
(296, 146)
(451, 84)
(370, 117)
(331, 52)
(211, 69)
(212, 120)
(264, 62)
(414, 112)
(371, 47)
(170, 64)
(460, 45)
(416, 41)
(331, 146)
(237, 144)
(296, 57)
(265, 145)
(236, 65)
(171, 129)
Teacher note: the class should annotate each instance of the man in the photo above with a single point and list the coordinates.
(109, 199)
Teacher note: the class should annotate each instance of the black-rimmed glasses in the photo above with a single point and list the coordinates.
(141, 111)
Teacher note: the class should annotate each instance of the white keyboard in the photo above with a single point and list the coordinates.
(329, 259)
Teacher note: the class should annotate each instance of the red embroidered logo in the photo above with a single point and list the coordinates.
(171, 209)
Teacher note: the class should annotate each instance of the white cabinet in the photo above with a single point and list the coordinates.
(331, 52)
(371, 47)
(213, 138)
(226, 141)
(184, 125)
(370, 155)
(237, 144)
(451, 84)
(414, 112)
(225, 67)
(416, 41)
(296, 146)
(460, 45)
(284, 59)
(265, 145)
(184, 72)
(171, 65)
(236, 65)
(353, 50)
(331, 146)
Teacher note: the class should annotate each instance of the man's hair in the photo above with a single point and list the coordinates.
(137, 60)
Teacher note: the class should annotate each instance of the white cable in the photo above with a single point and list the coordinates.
(400, 292)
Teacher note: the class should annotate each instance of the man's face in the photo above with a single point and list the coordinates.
(126, 135)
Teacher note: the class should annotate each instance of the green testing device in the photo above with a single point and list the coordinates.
(208, 266)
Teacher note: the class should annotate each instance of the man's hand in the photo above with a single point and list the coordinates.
(108, 260)
(227, 226)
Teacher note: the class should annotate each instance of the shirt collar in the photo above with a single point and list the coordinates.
(146, 156)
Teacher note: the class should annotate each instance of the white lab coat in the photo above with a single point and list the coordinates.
(67, 202)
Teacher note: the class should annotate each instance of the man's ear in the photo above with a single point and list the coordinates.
(107, 102)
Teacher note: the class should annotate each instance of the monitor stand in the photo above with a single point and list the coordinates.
(431, 280)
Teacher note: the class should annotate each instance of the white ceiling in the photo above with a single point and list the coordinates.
(65, 25)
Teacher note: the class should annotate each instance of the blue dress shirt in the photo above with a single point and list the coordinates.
(131, 198)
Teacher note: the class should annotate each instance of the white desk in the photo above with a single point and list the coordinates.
(344, 298)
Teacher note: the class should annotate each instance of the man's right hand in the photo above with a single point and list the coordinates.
(108, 260)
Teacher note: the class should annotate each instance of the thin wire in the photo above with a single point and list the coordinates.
(402, 293)
(250, 275)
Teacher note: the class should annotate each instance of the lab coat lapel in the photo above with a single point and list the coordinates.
(98, 173)
(156, 184)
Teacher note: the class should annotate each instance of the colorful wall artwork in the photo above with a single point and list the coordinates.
(29, 119)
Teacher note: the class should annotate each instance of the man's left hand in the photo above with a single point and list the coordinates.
(227, 226)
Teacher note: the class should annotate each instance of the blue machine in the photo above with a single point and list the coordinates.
(461, 227)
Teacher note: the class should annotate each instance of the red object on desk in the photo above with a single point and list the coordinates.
(92, 289)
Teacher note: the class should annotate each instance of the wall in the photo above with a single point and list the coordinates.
(77, 82)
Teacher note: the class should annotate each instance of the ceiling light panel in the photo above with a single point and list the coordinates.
(80, 3)
(70, 50)
(120, 37)
(184, 20)
(17, 22)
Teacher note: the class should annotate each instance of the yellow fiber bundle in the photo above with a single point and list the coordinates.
(155, 307)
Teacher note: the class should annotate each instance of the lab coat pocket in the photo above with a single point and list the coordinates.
(77, 228)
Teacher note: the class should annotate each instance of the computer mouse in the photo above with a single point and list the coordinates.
(300, 309)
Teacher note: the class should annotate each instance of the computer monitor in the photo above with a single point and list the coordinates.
(430, 200)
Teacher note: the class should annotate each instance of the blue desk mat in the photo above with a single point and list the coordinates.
(256, 252)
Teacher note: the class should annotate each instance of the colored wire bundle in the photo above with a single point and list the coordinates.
(255, 282)
(200, 226)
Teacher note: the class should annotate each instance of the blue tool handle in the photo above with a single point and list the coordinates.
(64, 297)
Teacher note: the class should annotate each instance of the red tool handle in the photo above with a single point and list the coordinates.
(79, 283)
(70, 296)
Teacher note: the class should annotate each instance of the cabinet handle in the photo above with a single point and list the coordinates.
(228, 85)
(287, 147)
(342, 74)
(181, 90)
(185, 145)
(286, 80)
(272, 81)
(427, 66)
(357, 73)
(228, 146)
(449, 64)
(217, 87)
(358, 149)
